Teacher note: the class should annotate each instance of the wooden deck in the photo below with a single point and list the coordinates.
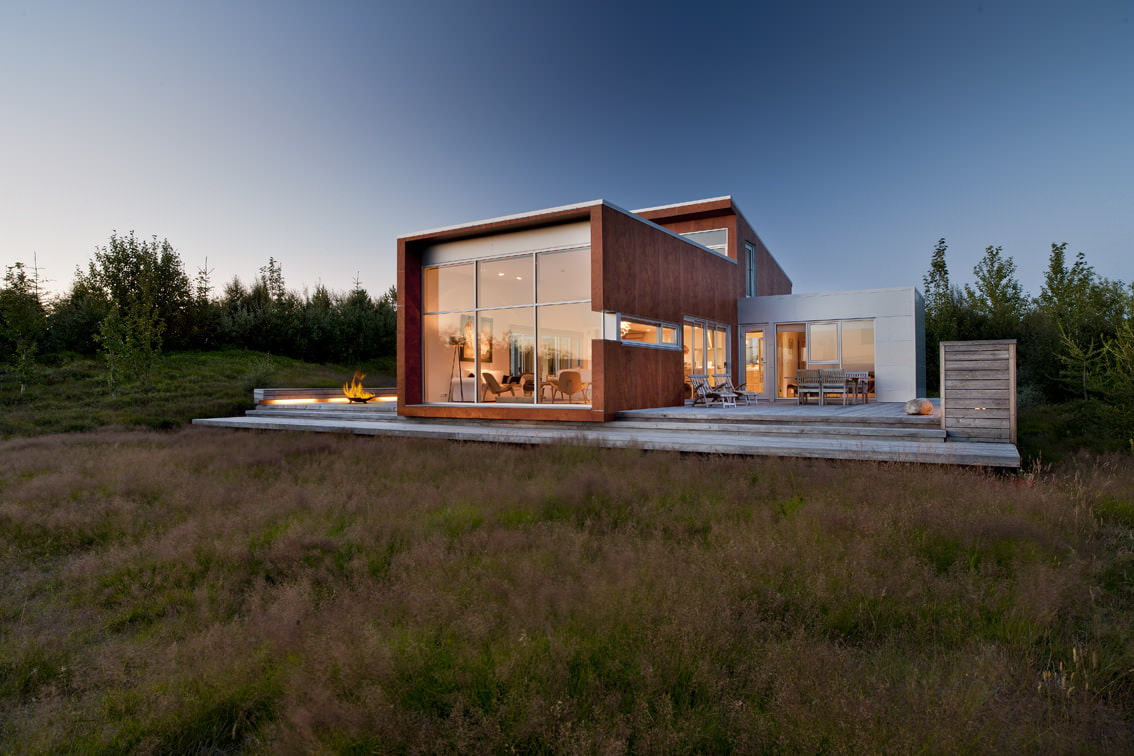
(880, 431)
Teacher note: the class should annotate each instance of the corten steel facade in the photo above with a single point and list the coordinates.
(639, 268)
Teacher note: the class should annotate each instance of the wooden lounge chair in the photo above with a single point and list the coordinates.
(724, 383)
(705, 393)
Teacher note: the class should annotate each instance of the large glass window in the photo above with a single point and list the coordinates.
(705, 346)
(448, 288)
(505, 282)
(565, 335)
(485, 338)
(449, 351)
(564, 276)
(822, 342)
(858, 345)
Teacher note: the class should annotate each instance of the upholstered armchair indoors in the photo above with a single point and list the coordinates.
(492, 386)
(571, 383)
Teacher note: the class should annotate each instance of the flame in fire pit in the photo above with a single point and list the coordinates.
(354, 390)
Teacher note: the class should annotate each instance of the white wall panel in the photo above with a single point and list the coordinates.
(512, 242)
(899, 340)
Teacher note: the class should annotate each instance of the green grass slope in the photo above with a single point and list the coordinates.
(71, 394)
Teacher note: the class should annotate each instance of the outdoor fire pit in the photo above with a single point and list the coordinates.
(354, 391)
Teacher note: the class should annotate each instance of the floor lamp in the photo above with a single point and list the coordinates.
(455, 371)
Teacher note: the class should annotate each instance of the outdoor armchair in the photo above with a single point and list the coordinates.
(832, 382)
(807, 382)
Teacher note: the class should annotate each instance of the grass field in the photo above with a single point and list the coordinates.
(197, 590)
(206, 590)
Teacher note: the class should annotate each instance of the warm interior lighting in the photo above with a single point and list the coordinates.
(307, 400)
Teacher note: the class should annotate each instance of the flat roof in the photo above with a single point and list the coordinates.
(727, 197)
(505, 219)
(531, 215)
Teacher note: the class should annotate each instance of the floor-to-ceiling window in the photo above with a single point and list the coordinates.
(512, 329)
(845, 344)
(706, 347)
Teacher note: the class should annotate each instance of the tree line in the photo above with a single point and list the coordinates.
(1075, 340)
(135, 299)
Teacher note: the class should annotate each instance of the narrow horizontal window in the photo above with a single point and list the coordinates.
(637, 331)
(715, 239)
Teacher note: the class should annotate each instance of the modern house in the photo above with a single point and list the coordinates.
(582, 311)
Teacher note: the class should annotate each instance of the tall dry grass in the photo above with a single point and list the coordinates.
(225, 591)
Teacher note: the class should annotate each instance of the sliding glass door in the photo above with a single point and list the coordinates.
(706, 347)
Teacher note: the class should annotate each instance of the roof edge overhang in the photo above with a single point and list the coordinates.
(689, 210)
(549, 216)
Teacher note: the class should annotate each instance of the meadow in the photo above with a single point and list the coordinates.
(210, 591)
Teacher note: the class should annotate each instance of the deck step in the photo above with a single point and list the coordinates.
(864, 432)
(785, 426)
(609, 435)
(811, 430)
(850, 415)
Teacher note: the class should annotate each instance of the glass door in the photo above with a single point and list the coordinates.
(791, 344)
(755, 361)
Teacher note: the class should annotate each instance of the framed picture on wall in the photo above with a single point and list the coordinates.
(468, 339)
(485, 339)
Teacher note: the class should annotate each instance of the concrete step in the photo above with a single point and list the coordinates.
(811, 430)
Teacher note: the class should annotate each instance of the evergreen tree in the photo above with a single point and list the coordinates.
(23, 321)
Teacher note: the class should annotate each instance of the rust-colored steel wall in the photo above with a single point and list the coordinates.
(645, 272)
(637, 377)
(703, 216)
(770, 277)
(409, 324)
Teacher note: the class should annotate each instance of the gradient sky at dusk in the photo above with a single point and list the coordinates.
(852, 135)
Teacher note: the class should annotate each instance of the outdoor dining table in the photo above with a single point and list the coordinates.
(857, 382)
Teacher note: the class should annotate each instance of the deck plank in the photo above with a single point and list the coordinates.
(808, 431)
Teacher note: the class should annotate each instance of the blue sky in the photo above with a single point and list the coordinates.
(852, 136)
